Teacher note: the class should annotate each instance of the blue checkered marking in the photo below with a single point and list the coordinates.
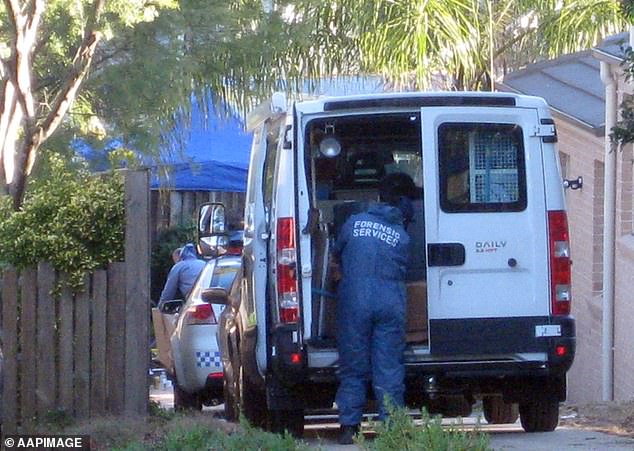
(206, 359)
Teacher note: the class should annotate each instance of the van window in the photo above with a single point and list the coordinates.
(481, 167)
(269, 167)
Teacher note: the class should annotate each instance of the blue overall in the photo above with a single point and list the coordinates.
(373, 250)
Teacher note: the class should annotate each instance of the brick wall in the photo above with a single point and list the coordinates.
(584, 155)
(624, 295)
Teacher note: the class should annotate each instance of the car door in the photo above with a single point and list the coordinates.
(485, 220)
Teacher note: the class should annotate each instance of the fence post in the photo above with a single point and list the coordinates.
(137, 258)
(28, 341)
(46, 379)
(10, 350)
(66, 349)
(99, 306)
(82, 351)
(115, 338)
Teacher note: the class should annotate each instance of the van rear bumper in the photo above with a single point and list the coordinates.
(553, 336)
(491, 367)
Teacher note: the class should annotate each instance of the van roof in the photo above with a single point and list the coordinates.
(420, 99)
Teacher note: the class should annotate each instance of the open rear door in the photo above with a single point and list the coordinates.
(256, 236)
(485, 222)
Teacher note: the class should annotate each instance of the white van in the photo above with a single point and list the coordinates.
(488, 314)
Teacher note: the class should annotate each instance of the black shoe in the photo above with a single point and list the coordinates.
(347, 433)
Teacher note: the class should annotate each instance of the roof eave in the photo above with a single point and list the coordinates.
(606, 57)
(595, 130)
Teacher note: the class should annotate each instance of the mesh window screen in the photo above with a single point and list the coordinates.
(493, 167)
(481, 167)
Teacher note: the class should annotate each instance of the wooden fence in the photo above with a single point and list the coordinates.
(85, 353)
(172, 208)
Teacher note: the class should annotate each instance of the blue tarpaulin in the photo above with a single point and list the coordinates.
(214, 156)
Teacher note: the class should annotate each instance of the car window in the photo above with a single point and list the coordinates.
(223, 277)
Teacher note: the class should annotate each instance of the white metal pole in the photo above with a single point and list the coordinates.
(609, 205)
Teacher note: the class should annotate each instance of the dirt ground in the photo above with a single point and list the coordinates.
(610, 417)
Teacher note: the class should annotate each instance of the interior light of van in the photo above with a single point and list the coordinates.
(330, 147)
(287, 271)
(560, 273)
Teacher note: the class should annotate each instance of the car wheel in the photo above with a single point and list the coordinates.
(540, 414)
(496, 411)
(232, 411)
(185, 401)
(253, 402)
(231, 390)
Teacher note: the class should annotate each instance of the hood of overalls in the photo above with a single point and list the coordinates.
(188, 252)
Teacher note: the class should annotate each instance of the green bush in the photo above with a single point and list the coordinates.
(400, 433)
(70, 218)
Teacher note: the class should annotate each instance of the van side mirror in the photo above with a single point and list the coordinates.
(211, 231)
(215, 295)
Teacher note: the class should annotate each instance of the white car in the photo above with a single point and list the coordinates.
(198, 373)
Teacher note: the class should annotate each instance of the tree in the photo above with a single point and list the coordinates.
(231, 53)
(623, 132)
(51, 49)
(468, 41)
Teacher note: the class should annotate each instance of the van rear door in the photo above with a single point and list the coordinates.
(485, 226)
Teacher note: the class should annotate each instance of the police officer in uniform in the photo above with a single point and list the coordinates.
(372, 250)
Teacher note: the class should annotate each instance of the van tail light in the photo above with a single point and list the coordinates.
(560, 273)
(200, 314)
(288, 304)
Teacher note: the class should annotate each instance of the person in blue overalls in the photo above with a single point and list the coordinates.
(372, 250)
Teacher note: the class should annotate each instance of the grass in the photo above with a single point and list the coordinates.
(199, 437)
(165, 430)
(400, 433)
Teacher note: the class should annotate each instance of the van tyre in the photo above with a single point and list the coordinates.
(496, 411)
(287, 420)
(540, 414)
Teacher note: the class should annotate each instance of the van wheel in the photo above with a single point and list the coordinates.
(540, 414)
(287, 420)
(185, 401)
(496, 411)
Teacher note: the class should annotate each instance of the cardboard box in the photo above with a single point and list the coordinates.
(416, 328)
(164, 326)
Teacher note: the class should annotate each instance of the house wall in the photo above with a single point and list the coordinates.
(624, 283)
(581, 153)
